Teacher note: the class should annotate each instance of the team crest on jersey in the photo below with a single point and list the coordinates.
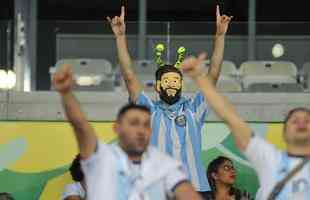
(180, 120)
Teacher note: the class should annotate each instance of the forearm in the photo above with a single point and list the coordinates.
(132, 83)
(225, 110)
(84, 132)
(217, 58)
(123, 56)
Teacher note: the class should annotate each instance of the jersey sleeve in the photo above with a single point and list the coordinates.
(174, 179)
(145, 100)
(88, 165)
(261, 154)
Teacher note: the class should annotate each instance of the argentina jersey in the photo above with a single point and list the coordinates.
(272, 166)
(176, 130)
(298, 188)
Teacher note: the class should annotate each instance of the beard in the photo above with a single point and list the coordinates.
(169, 99)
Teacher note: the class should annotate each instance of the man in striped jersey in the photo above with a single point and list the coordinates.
(176, 121)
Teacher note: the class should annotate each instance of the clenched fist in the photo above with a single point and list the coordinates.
(63, 80)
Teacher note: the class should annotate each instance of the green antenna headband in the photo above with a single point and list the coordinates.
(159, 50)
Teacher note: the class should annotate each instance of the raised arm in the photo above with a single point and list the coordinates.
(84, 132)
(222, 23)
(119, 29)
(240, 129)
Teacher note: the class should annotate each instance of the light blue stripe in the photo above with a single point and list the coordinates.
(195, 137)
(122, 183)
(146, 101)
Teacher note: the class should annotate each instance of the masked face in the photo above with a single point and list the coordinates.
(170, 87)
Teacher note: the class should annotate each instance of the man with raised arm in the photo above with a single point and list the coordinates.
(176, 121)
(131, 169)
(282, 174)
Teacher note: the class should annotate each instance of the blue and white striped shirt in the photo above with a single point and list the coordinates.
(177, 131)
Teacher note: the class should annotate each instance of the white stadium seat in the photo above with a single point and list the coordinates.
(228, 68)
(90, 74)
(264, 72)
(144, 67)
(224, 84)
(266, 68)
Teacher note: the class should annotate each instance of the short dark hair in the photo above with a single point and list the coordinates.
(75, 169)
(291, 112)
(165, 69)
(132, 106)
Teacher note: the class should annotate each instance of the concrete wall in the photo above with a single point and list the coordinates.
(103, 106)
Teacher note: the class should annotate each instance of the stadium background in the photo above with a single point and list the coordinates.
(37, 145)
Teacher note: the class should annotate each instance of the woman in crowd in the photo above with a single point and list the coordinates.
(221, 176)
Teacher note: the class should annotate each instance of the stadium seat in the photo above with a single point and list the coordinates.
(267, 68)
(148, 82)
(145, 71)
(148, 67)
(90, 74)
(228, 68)
(224, 84)
(228, 81)
(274, 88)
(265, 72)
(306, 75)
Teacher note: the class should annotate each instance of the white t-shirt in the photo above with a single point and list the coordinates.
(109, 174)
(272, 166)
(74, 189)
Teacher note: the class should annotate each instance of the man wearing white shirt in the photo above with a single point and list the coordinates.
(130, 169)
(271, 164)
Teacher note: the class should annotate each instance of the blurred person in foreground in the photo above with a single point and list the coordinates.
(282, 174)
(130, 169)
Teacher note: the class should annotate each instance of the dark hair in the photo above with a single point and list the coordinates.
(131, 106)
(291, 112)
(6, 196)
(213, 168)
(165, 69)
(75, 169)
